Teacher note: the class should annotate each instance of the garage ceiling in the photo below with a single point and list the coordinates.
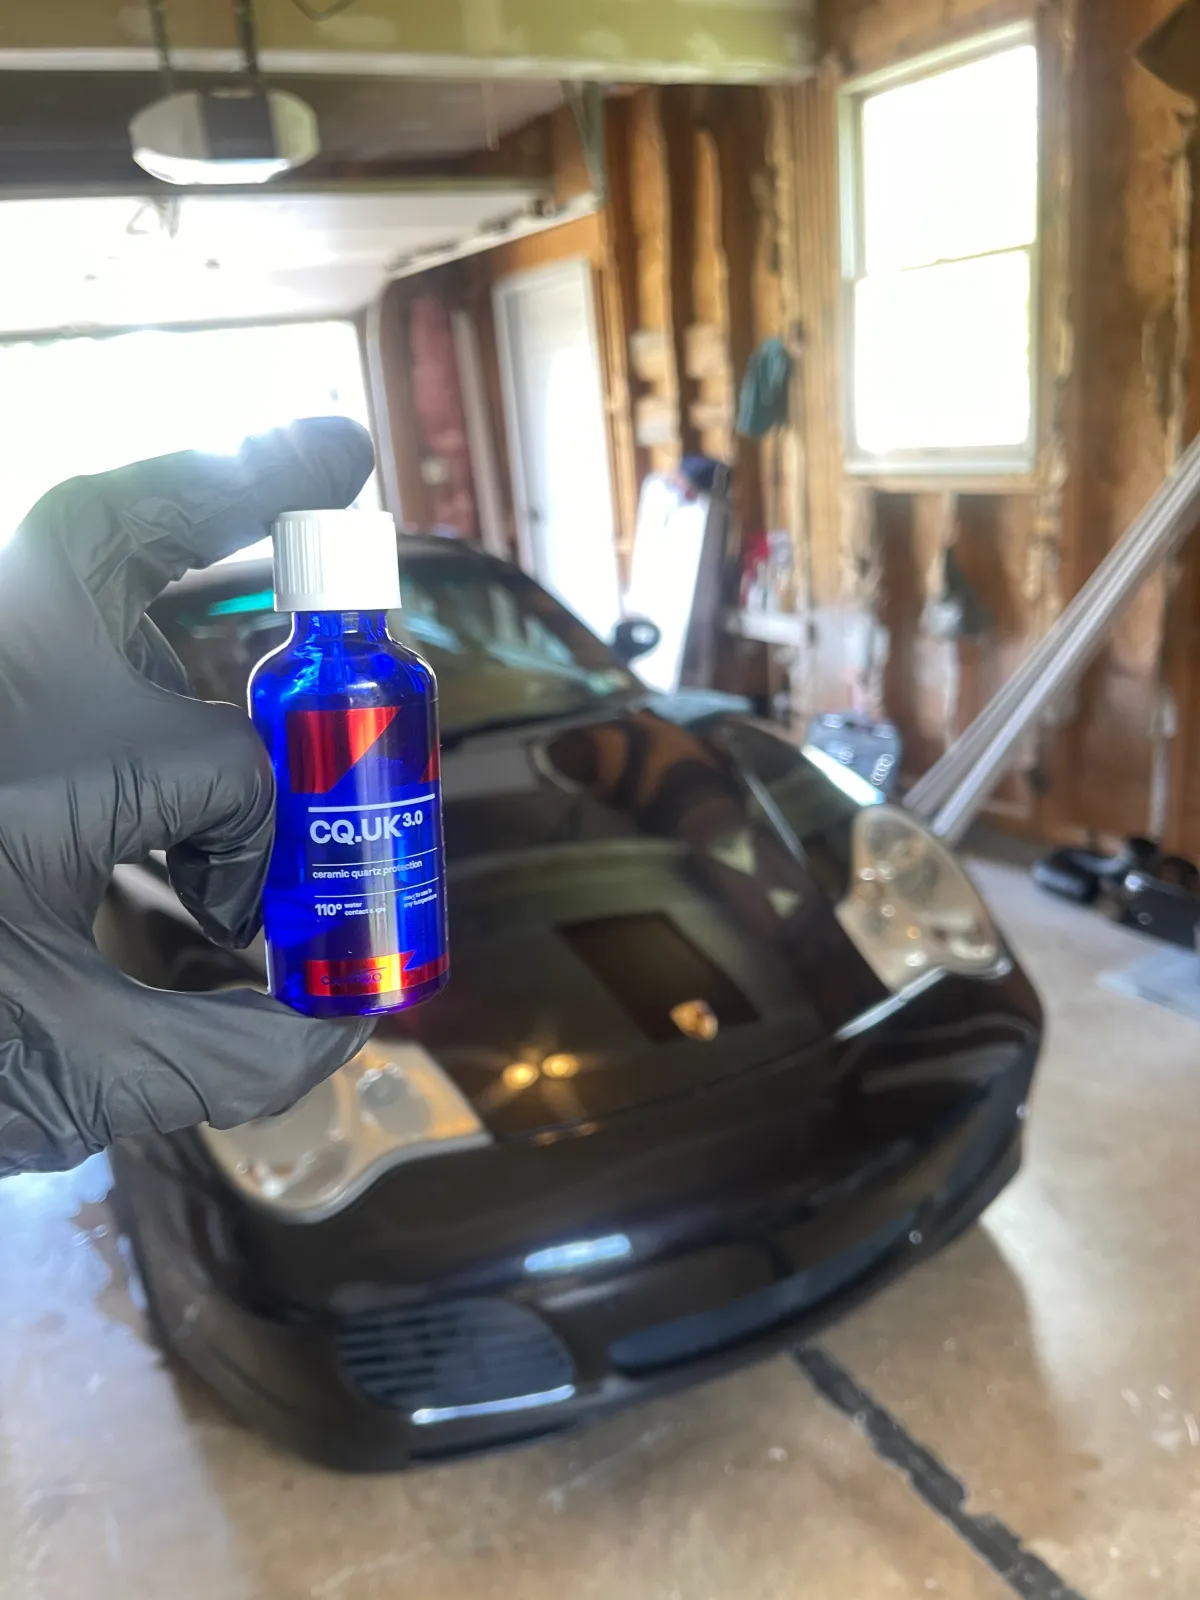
(623, 40)
(132, 260)
(71, 129)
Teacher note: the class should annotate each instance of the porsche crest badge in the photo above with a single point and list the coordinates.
(695, 1019)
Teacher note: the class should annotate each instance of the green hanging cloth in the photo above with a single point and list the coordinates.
(763, 402)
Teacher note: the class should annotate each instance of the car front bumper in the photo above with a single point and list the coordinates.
(393, 1337)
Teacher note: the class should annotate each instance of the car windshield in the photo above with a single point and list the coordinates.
(503, 649)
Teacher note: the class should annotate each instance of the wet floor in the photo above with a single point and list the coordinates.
(1049, 1363)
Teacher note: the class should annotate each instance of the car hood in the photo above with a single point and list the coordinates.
(641, 903)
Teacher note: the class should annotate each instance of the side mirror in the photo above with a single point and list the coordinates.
(634, 637)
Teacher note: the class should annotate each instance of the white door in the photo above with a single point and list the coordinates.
(546, 327)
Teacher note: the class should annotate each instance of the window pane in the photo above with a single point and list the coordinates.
(942, 357)
(949, 163)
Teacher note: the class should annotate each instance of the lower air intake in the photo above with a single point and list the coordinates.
(455, 1358)
(705, 1333)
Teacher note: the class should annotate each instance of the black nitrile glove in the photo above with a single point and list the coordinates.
(103, 758)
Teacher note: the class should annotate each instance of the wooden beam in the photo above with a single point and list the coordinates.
(740, 164)
(650, 213)
(404, 481)
(677, 113)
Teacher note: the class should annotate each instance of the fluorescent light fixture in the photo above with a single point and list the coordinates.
(580, 1253)
(241, 135)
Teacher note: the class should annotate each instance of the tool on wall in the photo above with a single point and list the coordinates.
(953, 790)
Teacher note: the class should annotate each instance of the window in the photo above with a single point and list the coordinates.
(939, 261)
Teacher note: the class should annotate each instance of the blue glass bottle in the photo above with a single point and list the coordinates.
(354, 906)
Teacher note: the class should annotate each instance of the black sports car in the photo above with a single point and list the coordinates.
(728, 1045)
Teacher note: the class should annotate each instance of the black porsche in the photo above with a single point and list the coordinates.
(729, 1043)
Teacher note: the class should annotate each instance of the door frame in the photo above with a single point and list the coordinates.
(504, 292)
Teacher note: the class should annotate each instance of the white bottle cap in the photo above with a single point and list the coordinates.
(336, 561)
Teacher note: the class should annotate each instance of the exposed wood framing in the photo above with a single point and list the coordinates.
(796, 509)
(1183, 189)
(813, 214)
(1181, 690)
(614, 340)
(621, 286)
(1123, 232)
(656, 408)
(708, 362)
(679, 152)
(1165, 727)
(1057, 32)
(395, 385)
(1060, 215)
(737, 126)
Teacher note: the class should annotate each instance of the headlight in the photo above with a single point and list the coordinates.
(910, 908)
(391, 1103)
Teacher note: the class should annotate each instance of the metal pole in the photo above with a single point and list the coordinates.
(1119, 569)
(935, 786)
(1062, 656)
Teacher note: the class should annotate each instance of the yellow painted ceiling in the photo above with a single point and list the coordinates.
(719, 40)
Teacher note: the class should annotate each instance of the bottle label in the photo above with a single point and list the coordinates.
(357, 868)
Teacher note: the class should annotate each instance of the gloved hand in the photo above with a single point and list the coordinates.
(103, 758)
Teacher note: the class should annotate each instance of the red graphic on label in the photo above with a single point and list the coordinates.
(324, 745)
(370, 975)
(433, 767)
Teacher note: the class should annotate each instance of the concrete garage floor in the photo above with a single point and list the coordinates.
(1049, 1362)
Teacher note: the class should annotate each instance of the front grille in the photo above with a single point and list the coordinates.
(454, 1358)
(704, 1333)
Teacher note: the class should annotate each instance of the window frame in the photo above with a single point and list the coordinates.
(947, 461)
